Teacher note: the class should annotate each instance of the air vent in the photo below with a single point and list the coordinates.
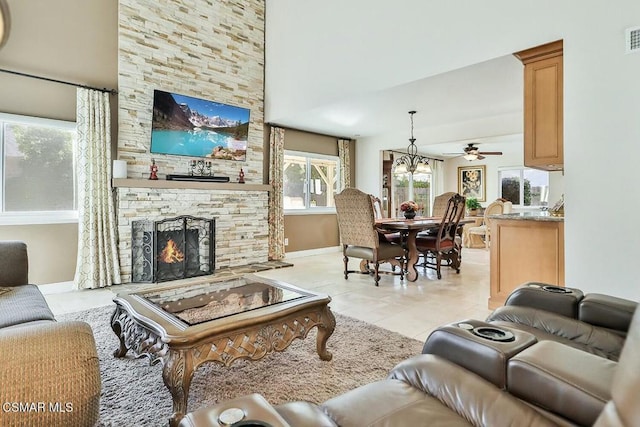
(632, 39)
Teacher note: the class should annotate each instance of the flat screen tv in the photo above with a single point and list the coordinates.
(187, 126)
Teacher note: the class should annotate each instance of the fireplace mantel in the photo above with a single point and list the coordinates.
(162, 183)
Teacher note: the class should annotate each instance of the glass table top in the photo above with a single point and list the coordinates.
(203, 302)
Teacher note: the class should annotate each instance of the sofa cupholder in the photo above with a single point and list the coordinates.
(251, 423)
(556, 289)
(493, 334)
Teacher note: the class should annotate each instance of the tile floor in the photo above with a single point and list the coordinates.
(413, 309)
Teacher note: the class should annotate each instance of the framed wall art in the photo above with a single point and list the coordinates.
(471, 182)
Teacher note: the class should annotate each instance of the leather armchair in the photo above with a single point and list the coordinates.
(581, 389)
(423, 390)
(561, 386)
(593, 323)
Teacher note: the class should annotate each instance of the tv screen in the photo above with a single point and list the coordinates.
(187, 126)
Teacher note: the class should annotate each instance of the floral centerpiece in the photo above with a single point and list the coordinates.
(409, 208)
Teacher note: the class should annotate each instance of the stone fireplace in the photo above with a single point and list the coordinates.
(241, 230)
(172, 249)
(225, 65)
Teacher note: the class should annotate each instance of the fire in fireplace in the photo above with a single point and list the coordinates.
(174, 248)
(171, 253)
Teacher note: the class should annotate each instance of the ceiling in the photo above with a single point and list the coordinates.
(356, 74)
(488, 89)
(507, 144)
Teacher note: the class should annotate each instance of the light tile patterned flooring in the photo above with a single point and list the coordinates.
(413, 309)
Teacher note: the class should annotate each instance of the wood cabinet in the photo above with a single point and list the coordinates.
(524, 251)
(543, 106)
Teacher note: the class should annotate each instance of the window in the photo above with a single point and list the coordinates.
(421, 183)
(310, 181)
(524, 187)
(38, 175)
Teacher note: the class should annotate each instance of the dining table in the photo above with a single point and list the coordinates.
(409, 229)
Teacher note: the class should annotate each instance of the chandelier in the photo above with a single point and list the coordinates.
(412, 161)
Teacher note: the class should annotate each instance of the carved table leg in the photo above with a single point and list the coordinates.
(177, 374)
(118, 330)
(325, 329)
(412, 273)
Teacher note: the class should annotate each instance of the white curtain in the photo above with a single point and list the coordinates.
(97, 264)
(345, 163)
(437, 178)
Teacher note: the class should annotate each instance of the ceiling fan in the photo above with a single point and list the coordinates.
(471, 152)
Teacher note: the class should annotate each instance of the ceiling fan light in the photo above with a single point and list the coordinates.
(470, 157)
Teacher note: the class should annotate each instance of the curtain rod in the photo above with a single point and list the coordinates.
(404, 152)
(305, 131)
(17, 73)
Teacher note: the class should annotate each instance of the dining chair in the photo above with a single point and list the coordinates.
(359, 237)
(377, 206)
(440, 204)
(438, 210)
(442, 246)
(484, 230)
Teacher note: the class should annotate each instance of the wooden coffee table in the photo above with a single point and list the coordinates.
(221, 321)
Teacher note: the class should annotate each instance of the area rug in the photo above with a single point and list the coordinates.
(133, 393)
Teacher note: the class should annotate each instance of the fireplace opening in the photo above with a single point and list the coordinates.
(171, 249)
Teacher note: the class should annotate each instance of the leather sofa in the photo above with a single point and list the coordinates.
(545, 384)
(594, 323)
(49, 371)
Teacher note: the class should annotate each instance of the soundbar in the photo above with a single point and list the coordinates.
(205, 178)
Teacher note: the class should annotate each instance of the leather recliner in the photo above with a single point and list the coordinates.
(594, 323)
(429, 390)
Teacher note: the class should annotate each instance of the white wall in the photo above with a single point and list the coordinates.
(601, 122)
(491, 163)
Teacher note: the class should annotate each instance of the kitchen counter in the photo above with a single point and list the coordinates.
(525, 247)
(529, 216)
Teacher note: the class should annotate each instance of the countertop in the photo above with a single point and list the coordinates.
(529, 216)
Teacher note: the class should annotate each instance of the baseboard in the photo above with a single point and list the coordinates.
(310, 252)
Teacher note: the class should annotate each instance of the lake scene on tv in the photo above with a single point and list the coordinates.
(187, 126)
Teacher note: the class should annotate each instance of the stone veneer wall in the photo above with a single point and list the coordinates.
(210, 50)
(241, 220)
(206, 49)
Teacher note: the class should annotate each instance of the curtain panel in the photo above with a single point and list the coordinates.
(437, 179)
(276, 204)
(345, 163)
(97, 263)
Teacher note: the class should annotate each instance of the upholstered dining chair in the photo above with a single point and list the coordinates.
(440, 204)
(484, 230)
(358, 234)
(442, 245)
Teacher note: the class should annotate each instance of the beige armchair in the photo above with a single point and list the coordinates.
(484, 230)
(358, 234)
(42, 361)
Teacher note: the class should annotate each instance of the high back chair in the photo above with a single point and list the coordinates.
(442, 245)
(377, 206)
(358, 234)
(440, 204)
(484, 230)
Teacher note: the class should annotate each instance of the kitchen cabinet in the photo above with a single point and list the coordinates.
(524, 248)
(543, 106)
